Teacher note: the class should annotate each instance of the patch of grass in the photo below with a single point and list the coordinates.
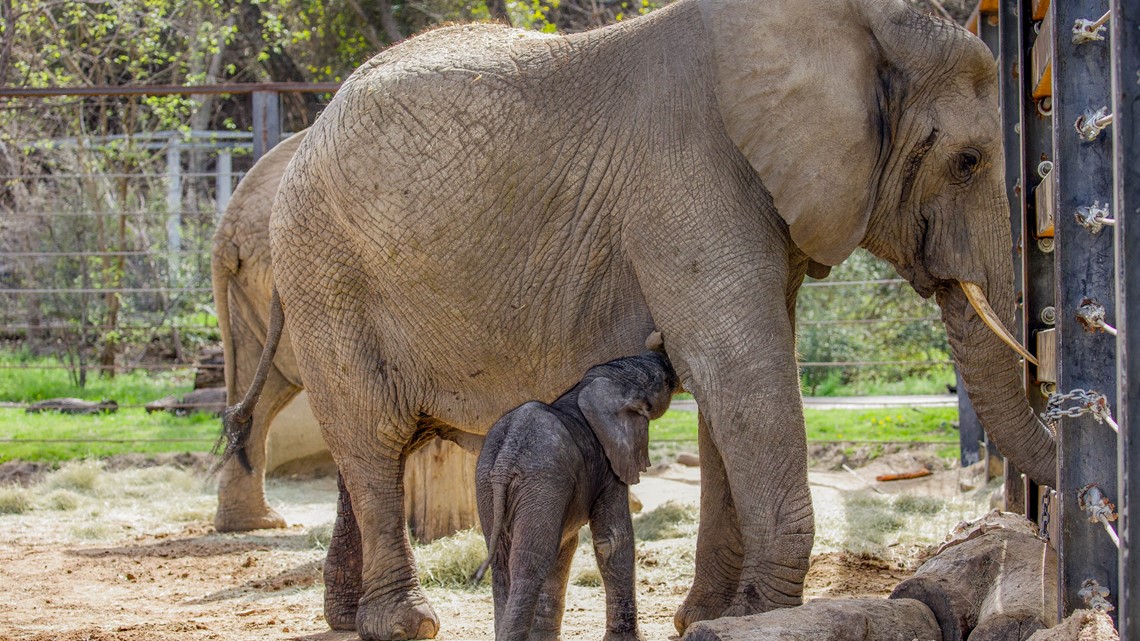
(449, 562)
(61, 500)
(319, 536)
(60, 437)
(926, 424)
(14, 500)
(870, 519)
(92, 531)
(85, 477)
(127, 388)
(668, 521)
(912, 504)
(588, 577)
(836, 383)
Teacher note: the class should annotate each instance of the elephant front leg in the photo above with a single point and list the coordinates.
(343, 565)
(393, 605)
(758, 431)
(613, 549)
(718, 541)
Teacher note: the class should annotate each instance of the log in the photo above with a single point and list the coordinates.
(73, 406)
(208, 399)
(993, 580)
(826, 620)
(439, 490)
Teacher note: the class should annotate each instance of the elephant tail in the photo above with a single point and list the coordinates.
(499, 509)
(237, 421)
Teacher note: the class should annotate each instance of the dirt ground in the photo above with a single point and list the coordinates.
(100, 554)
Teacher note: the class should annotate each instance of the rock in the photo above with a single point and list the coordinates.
(992, 580)
(997, 498)
(211, 400)
(826, 620)
(208, 371)
(73, 406)
(689, 459)
(972, 477)
(1081, 625)
(635, 504)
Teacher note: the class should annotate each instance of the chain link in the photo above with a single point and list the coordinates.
(1087, 402)
(1044, 533)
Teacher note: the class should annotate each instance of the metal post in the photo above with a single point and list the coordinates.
(1125, 39)
(173, 209)
(1029, 150)
(266, 122)
(1084, 270)
(223, 180)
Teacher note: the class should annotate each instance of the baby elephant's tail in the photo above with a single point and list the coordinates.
(499, 508)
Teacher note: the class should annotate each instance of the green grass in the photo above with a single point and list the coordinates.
(833, 383)
(127, 388)
(53, 432)
(193, 433)
(882, 424)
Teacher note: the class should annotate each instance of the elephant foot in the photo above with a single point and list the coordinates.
(696, 609)
(623, 636)
(237, 520)
(387, 619)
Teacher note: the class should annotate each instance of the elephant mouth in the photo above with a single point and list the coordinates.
(985, 312)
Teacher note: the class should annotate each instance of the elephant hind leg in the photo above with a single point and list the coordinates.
(241, 495)
(535, 552)
(343, 565)
(718, 539)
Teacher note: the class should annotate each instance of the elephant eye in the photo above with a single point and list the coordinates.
(965, 164)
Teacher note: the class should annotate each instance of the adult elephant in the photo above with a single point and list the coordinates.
(482, 213)
(243, 283)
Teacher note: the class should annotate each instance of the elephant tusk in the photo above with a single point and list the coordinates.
(990, 318)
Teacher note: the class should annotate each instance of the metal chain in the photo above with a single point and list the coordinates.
(1088, 402)
(1044, 532)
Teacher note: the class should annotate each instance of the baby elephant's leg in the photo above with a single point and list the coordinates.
(552, 601)
(613, 548)
(535, 543)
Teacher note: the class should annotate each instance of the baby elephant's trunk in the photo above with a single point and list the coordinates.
(237, 421)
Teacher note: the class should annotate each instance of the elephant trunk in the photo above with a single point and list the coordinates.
(992, 376)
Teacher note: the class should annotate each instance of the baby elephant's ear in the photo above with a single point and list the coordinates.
(620, 420)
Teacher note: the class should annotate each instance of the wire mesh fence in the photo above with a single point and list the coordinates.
(108, 206)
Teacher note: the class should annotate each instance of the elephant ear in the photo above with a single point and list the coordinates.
(620, 420)
(804, 89)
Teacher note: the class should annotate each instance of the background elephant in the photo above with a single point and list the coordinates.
(547, 470)
(243, 281)
(481, 214)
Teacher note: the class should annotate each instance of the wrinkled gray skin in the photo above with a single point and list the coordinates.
(482, 213)
(243, 283)
(573, 458)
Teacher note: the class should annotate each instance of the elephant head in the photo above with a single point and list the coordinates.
(875, 100)
(618, 399)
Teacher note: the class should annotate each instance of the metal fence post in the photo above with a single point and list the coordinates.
(1125, 39)
(173, 209)
(266, 122)
(1084, 271)
(223, 180)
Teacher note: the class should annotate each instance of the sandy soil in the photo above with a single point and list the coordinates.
(130, 555)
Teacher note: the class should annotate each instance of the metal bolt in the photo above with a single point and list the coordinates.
(1091, 314)
(1091, 123)
(1094, 217)
(1049, 315)
(1088, 30)
(1044, 167)
(1045, 106)
(1046, 245)
(1095, 595)
(1048, 389)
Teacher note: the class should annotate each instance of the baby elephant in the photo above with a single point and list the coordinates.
(547, 470)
